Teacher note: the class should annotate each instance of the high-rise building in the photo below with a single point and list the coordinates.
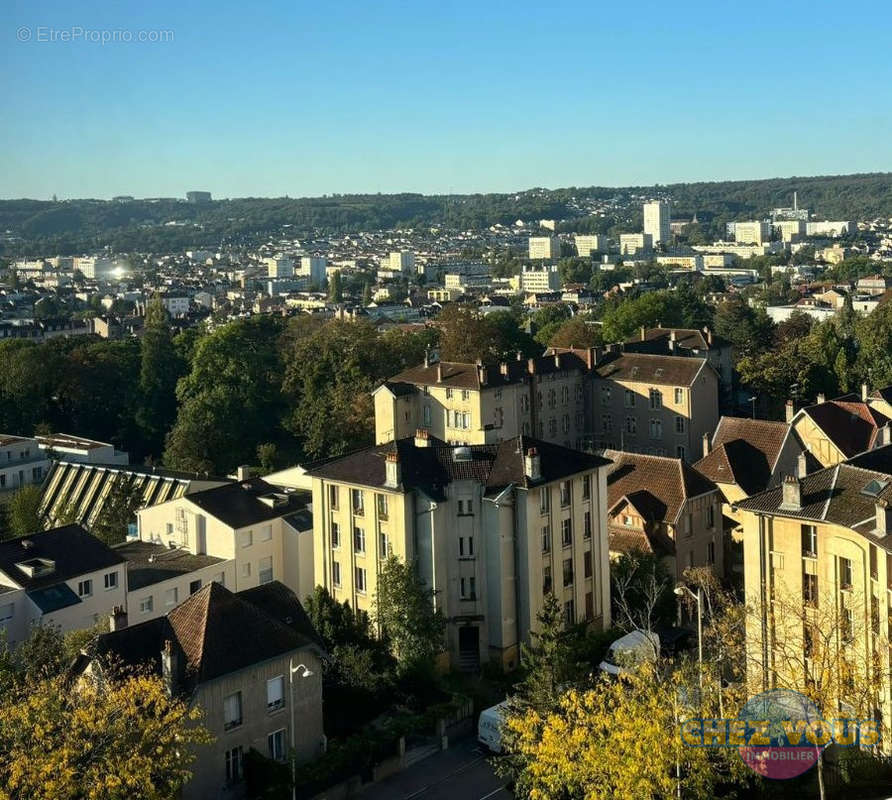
(588, 244)
(656, 221)
(198, 197)
(280, 267)
(314, 268)
(402, 261)
(631, 244)
(545, 248)
(752, 232)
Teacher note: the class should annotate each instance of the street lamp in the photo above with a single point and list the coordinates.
(304, 673)
(680, 589)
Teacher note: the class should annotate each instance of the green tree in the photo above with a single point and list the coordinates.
(23, 512)
(159, 372)
(118, 511)
(335, 294)
(547, 660)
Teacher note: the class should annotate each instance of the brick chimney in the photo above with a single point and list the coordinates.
(884, 518)
(708, 333)
(707, 445)
(392, 476)
(427, 356)
(170, 666)
(643, 333)
(532, 465)
(117, 620)
(531, 366)
(422, 437)
(865, 390)
(801, 465)
(519, 355)
(790, 410)
(482, 374)
(503, 368)
(822, 398)
(792, 494)
(557, 360)
(439, 372)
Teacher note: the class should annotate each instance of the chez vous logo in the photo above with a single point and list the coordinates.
(780, 733)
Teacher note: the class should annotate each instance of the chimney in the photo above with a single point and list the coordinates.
(242, 473)
(822, 398)
(884, 435)
(884, 519)
(708, 337)
(519, 355)
(482, 374)
(531, 366)
(422, 438)
(532, 465)
(392, 477)
(557, 360)
(117, 620)
(801, 466)
(643, 333)
(864, 391)
(707, 445)
(672, 346)
(792, 494)
(503, 367)
(170, 666)
(790, 411)
(439, 372)
(672, 336)
(427, 356)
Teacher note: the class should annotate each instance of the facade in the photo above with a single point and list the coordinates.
(664, 506)
(538, 279)
(94, 267)
(586, 245)
(656, 222)
(63, 577)
(279, 267)
(490, 528)
(231, 655)
(834, 430)
(544, 248)
(753, 232)
(791, 230)
(64, 447)
(632, 244)
(21, 462)
(402, 261)
(314, 268)
(198, 197)
(823, 541)
(831, 228)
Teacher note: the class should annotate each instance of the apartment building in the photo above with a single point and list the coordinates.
(661, 405)
(65, 447)
(544, 248)
(460, 403)
(63, 577)
(21, 462)
(825, 541)
(656, 222)
(753, 232)
(588, 244)
(314, 268)
(664, 506)
(402, 261)
(248, 522)
(243, 659)
(633, 244)
(491, 528)
(537, 279)
(279, 267)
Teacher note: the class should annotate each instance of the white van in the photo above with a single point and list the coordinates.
(489, 726)
(628, 650)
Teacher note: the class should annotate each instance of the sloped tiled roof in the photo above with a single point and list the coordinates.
(850, 424)
(239, 504)
(656, 369)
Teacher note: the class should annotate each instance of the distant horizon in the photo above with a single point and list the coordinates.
(581, 186)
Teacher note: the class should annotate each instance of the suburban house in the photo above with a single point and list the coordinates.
(63, 577)
(664, 506)
(243, 659)
(490, 528)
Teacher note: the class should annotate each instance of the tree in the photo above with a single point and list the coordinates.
(547, 661)
(118, 511)
(335, 294)
(366, 293)
(749, 331)
(641, 592)
(576, 332)
(268, 456)
(648, 310)
(405, 614)
(23, 512)
(159, 372)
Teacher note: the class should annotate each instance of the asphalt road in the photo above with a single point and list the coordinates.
(459, 773)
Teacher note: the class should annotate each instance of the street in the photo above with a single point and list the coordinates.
(459, 773)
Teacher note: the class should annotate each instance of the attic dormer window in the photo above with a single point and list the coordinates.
(37, 567)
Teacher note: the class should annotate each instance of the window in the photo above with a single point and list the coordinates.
(570, 612)
(146, 604)
(679, 396)
(448, 393)
(246, 538)
(630, 398)
(265, 570)
(606, 423)
(335, 534)
(566, 532)
(605, 395)
(656, 429)
(845, 573)
(276, 743)
(359, 576)
(546, 538)
(656, 399)
(686, 527)
(565, 493)
(810, 590)
(266, 533)
(552, 426)
(497, 394)
(710, 552)
(468, 588)
(587, 525)
(546, 579)
(578, 393)
(568, 572)
(587, 564)
(85, 588)
(586, 487)
(589, 605)
(358, 501)
(565, 394)
(426, 416)
(681, 452)
(275, 693)
(465, 507)
(466, 546)
(465, 394)
(232, 711)
(246, 569)
(552, 398)
(873, 562)
(358, 539)
(710, 516)
(679, 424)
(631, 425)
(565, 423)
(333, 497)
(382, 506)
(336, 573)
(171, 596)
(847, 625)
(111, 580)
(234, 765)
(544, 500)
(194, 586)
(810, 541)
(169, 528)
(524, 403)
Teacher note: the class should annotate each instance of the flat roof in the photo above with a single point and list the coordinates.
(148, 563)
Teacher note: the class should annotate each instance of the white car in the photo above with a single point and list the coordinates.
(489, 726)
(629, 650)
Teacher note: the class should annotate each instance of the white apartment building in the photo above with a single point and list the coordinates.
(314, 268)
(21, 462)
(402, 261)
(94, 267)
(545, 248)
(830, 228)
(631, 244)
(656, 221)
(279, 267)
(753, 232)
(539, 279)
(590, 243)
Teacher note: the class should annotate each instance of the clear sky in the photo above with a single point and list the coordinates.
(307, 98)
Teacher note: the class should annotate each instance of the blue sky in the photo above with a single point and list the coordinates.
(304, 98)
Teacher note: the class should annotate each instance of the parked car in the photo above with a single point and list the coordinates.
(489, 726)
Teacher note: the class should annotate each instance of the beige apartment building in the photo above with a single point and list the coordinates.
(590, 243)
(661, 405)
(544, 248)
(753, 232)
(824, 541)
(491, 528)
(632, 244)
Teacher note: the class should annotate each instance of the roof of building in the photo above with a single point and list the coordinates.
(656, 340)
(844, 494)
(247, 502)
(217, 632)
(849, 423)
(71, 549)
(430, 469)
(149, 563)
(659, 370)
(656, 485)
(9, 438)
(745, 452)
